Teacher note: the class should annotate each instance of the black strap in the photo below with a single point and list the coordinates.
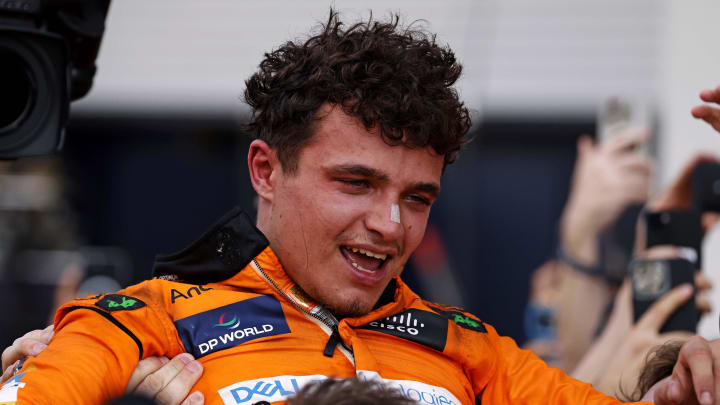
(565, 257)
(117, 323)
(332, 343)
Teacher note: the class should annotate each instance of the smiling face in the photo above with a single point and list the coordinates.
(333, 223)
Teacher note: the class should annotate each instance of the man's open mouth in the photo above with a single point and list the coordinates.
(364, 260)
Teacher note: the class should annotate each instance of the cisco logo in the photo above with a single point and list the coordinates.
(417, 325)
(402, 323)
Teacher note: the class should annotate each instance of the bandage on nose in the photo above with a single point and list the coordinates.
(395, 213)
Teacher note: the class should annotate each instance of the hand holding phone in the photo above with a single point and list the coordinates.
(653, 278)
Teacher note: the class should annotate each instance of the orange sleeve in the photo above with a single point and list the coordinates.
(95, 349)
(520, 377)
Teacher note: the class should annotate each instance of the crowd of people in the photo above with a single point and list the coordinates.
(353, 128)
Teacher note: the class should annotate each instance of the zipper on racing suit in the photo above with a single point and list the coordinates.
(298, 298)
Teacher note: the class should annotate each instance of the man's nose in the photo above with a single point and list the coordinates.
(385, 220)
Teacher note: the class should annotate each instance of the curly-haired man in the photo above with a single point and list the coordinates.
(354, 128)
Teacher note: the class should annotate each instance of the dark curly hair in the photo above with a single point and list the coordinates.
(396, 79)
(350, 391)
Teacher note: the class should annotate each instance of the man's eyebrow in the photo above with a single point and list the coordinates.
(359, 170)
(433, 189)
(429, 188)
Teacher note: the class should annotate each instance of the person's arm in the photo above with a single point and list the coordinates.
(95, 350)
(607, 178)
(166, 381)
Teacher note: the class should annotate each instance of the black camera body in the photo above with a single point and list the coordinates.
(47, 59)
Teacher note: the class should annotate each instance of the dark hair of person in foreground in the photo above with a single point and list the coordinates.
(659, 364)
(348, 391)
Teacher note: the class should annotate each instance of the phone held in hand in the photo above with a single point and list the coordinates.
(618, 114)
(653, 278)
(706, 187)
(678, 228)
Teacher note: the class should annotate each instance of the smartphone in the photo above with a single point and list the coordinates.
(653, 278)
(617, 114)
(706, 187)
(678, 228)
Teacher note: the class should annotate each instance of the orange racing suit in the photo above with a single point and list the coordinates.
(260, 338)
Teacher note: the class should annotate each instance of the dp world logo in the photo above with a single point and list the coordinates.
(231, 324)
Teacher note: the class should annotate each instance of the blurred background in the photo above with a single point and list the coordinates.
(153, 155)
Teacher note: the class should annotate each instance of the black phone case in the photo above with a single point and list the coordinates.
(679, 228)
(706, 187)
(687, 316)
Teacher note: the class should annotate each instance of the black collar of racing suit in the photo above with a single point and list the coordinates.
(221, 252)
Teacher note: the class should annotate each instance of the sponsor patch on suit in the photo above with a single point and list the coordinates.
(426, 328)
(231, 325)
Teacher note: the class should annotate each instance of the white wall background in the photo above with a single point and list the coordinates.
(520, 56)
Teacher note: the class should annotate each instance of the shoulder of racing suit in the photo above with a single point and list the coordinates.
(220, 253)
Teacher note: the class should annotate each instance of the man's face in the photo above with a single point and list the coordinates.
(331, 222)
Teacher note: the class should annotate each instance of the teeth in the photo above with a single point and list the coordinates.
(361, 268)
(380, 256)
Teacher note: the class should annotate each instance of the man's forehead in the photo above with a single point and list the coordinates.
(342, 140)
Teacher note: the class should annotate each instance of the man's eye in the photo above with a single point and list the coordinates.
(416, 198)
(355, 182)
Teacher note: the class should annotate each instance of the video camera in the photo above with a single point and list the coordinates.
(47, 59)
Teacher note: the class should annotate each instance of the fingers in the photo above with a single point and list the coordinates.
(9, 372)
(702, 282)
(30, 344)
(666, 392)
(662, 252)
(702, 285)
(708, 220)
(711, 95)
(704, 112)
(170, 383)
(196, 398)
(708, 114)
(144, 368)
(585, 145)
(703, 304)
(622, 311)
(628, 139)
(178, 387)
(635, 188)
(696, 359)
(656, 316)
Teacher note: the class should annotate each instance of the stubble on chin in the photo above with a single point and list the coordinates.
(351, 309)
(343, 308)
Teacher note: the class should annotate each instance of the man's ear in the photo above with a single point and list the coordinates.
(264, 168)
